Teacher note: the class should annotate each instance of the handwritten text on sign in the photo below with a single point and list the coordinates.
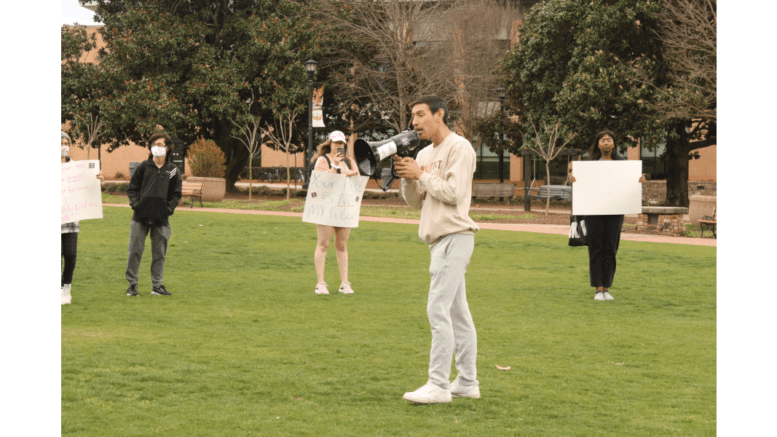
(334, 199)
(80, 192)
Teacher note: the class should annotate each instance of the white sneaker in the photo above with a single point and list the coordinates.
(321, 289)
(345, 288)
(429, 394)
(607, 295)
(599, 295)
(66, 298)
(462, 391)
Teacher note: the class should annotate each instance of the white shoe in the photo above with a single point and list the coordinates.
(321, 289)
(462, 391)
(66, 298)
(599, 295)
(345, 288)
(607, 295)
(429, 394)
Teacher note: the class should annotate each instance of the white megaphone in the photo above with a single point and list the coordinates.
(369, 154)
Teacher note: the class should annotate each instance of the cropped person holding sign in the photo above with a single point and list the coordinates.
(439, 183)
(154, 191)
(604, 231)
(70, 230)
(332, 156)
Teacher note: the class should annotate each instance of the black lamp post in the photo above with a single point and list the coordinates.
(501, 92)
(310, 66)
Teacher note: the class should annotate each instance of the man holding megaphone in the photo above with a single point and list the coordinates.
(439, 183)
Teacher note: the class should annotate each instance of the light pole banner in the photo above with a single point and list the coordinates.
(318, 106)
(334, 199)
(80, 192)
(606, 187)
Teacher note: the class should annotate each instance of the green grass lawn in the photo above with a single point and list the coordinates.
(244, 347)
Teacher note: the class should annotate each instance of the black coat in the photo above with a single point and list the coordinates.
(154, 192)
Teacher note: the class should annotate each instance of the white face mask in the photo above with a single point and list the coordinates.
(65, 150)
(158, 151)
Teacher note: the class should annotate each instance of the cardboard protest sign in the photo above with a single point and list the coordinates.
(334, 199)
(606, 187)
(80, 192)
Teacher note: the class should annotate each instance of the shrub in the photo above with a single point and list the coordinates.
(119, 176)
(206, 159)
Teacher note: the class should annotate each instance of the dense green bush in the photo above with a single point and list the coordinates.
(206, 159)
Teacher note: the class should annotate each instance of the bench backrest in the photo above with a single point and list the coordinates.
(193, 186)
(493, 189)
(555, 191)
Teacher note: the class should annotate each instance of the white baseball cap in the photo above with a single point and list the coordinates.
(337, 136)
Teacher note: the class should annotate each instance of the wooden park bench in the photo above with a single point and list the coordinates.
(709, 222)
(194, 190)
(557, 192)
(506, 190)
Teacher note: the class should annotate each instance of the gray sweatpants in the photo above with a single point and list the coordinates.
(453, 331)
(160, 235)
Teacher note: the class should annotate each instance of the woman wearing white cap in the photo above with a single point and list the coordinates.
(69, 234)
(332, 156)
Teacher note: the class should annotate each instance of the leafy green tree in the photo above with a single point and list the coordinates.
(575, 64)
(81, 94)
(191, 66)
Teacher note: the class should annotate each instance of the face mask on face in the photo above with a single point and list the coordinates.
(158, 151)
(65, 150)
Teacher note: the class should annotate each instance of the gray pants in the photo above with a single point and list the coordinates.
(453, 331)
(160, 234)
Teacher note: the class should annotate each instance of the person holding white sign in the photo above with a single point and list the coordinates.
(332, 156)
(69, 235)
(604, 231)
(439, 183)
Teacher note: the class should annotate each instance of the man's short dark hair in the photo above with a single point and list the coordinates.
(158, 135)
(435, 104)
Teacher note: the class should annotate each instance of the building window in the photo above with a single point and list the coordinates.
(652, 161)
(488, 164)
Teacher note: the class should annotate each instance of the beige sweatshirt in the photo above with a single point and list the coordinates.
(444, 191)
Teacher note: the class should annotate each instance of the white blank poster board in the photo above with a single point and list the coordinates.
(606, 187)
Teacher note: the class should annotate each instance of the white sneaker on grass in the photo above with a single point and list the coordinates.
(66, 298)
(599, 295)
(345, 288)
(429, 394)
(607, 295)
(463, 391)
(321, 288)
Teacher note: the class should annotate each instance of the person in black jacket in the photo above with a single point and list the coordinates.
(154, 191)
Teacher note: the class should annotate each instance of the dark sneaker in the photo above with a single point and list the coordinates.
(160, 291)
(132, 290)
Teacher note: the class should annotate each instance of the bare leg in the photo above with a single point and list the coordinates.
(319, 258)
(341, 239)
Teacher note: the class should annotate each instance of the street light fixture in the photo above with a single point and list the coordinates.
(310, 67)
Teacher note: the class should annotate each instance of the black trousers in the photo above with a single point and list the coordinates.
(604, 235)
(69, 249)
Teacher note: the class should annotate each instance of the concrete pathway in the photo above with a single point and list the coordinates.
(534, 228)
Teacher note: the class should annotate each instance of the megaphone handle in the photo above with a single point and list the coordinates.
(394, 170)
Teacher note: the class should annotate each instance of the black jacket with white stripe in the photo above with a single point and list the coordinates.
(154, 192)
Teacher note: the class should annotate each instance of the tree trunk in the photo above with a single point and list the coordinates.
(547, 182)
(676, 157)
(250, 177)
(288, 173)
(234, 165)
